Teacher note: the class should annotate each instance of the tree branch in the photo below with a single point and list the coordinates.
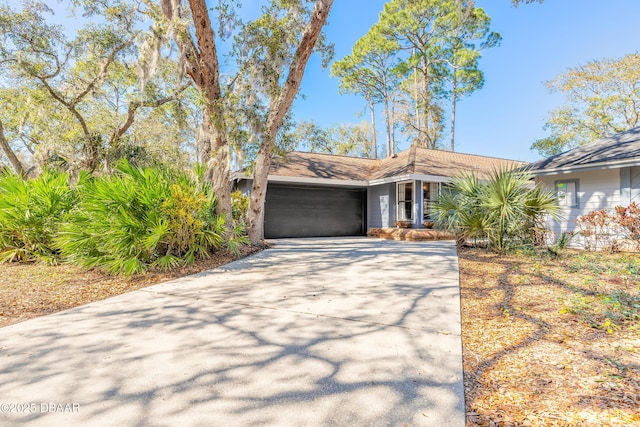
(296, 70)
(133, 108)
(8, 151)
(103, 70)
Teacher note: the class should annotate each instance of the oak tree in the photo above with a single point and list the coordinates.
(602, 99)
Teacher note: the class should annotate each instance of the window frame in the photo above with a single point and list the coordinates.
(413, 200)
(576, 196)
(427, 203)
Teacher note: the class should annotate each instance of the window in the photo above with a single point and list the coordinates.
(430, 193)
(405, 201)
(567, 193)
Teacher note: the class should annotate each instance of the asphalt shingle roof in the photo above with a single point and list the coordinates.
(315, 165)
(418, 161)
(619, 147)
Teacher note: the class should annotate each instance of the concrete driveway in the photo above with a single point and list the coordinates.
(350, 332)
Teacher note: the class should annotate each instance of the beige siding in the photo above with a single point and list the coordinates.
(596, 190)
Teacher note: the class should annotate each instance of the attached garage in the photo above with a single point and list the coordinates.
(307, 211)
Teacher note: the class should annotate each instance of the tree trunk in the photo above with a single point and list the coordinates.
(393, 127)
(203, 67)
(215, 151)
(416, 96)
(374, 132)
(277, 112)
(453, 111)
(425, 106)
(258, 196)
(11, 155)
(387, 123)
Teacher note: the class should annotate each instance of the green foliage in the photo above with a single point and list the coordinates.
(139, 218)
(30, 212)
(506, 210)
(434, 45)
(622, 306)
(602, 99)
(87, 96)
(239, 207)
(608, 297)
(561, 244)
(344, 139)
(240, 214)
(371, 71)
(606, 311)
(265, 52)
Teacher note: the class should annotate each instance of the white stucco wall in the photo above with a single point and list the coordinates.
(597, 189)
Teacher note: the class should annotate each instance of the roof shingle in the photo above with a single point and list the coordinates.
(417, 161)
(619, 147)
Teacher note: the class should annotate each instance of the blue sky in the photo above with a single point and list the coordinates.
(507, 115)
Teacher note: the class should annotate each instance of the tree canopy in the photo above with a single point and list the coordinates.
(602, 99)
(419, 54)
(83, 102)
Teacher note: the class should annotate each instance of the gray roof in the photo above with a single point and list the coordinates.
(621, 149)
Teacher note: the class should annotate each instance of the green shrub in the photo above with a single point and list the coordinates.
(30, 213)
(139, 218)
(505, 210)
(239, 207)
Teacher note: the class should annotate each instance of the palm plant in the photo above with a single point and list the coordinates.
(505, 209)
(139, 218)
(30, 213)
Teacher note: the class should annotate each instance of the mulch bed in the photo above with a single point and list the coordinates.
(537, 351)
(32, 290)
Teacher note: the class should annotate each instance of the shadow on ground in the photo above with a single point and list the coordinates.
(310, 332)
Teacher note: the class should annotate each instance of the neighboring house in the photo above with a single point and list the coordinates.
(313, 195)
(600, 175)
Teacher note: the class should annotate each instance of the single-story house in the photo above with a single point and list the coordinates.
(600, 175)
(314, 195)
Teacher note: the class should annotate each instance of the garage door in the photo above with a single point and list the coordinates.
(313, 212)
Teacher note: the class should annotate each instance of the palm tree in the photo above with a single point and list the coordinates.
(505, 209)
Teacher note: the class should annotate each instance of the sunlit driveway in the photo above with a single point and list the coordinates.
(350, 332)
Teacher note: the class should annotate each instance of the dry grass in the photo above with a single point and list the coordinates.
(548, 341)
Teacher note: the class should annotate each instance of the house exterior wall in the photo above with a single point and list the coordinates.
(381, 205)
(635, 184)
(596, 190)
(419, 204)
(629, 185)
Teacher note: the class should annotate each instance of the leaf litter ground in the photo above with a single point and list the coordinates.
(551, 341)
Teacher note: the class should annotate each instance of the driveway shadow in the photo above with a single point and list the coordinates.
(310, 332)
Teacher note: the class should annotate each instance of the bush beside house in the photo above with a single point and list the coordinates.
(124, 223)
